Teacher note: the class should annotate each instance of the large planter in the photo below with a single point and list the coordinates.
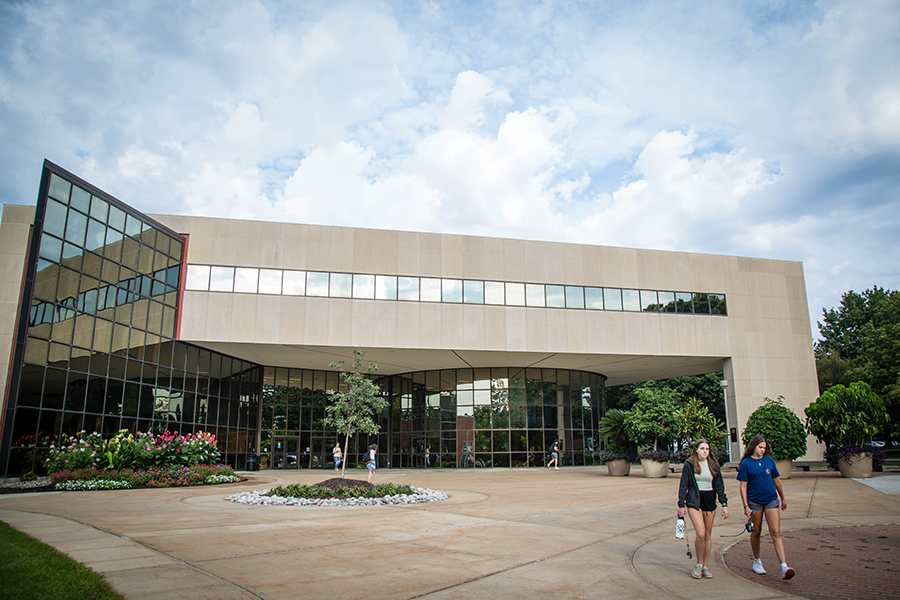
(654, 468)
(784, 467)
(858, 466)
(619, 467)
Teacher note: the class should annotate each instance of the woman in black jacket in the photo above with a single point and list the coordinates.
(701, 483)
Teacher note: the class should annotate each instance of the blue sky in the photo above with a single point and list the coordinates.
(767, 129)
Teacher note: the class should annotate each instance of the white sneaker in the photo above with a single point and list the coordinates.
(697, 573)
(786, 572)
(757, 566)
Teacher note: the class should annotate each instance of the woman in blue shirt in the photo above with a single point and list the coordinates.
(760, 492)
(701, 484)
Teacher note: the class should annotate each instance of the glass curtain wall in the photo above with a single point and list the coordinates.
(95, 348)
(499, 417)
(462, 418)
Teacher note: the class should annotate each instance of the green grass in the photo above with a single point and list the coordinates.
(32, 570)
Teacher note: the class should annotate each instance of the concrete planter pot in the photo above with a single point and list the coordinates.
(856, 467)
(655, 469)
(784, 467)
(618, 468)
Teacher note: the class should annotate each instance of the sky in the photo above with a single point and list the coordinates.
(761, 128)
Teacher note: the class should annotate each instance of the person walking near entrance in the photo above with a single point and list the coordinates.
(337, 455)
(701, 483)
(760, 491)
(554, 455)
(369, 457)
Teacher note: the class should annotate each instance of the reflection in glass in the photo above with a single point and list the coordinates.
(556, 296)
(270, 281)
(451, 290)
(294, 283)
(574, 296)
(473, 292)
(593, 298)
(341, 285)
(534, 294)
(429, 289)
(246, 280)
(317, 284)
(386, 287)
(631, 300)
(493, 292)
(612, 299)
(408, 288)
(364, 286)
(649, 301)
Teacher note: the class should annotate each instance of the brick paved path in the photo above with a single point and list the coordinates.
(859, 562)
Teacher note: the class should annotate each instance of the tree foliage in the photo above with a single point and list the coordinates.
(846, 416)
(861, 342)
(352, 410)
(654, 416)
(782, 429)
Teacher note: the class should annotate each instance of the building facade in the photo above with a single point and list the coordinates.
(488, 349)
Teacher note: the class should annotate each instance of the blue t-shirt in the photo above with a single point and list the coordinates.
(759, 475)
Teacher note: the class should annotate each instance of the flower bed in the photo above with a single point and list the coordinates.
(155, 477)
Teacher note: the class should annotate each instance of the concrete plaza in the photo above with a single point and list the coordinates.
(510, 533)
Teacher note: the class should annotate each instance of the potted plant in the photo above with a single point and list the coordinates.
(845, 418)
(618, 460)
(619, 454)
(783, 431)
(652, 419)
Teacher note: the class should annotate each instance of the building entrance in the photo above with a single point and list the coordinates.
(286, 453)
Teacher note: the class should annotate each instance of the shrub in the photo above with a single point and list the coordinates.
(782, 429)
(846, 416)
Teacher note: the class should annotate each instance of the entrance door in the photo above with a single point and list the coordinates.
(321, 453)
(285, 453)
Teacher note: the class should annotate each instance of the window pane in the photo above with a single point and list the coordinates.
(683, 302)
(55, 218)
(701, 304)
(593, 298)
(294, 283)
(574, 296)
(649, 301)
(76, 226)
(317, 284)
(221, 279)
(666, 301)
(451, 290)
(515, 294)
(269, 281)
(246, 280)
(631, 300)
(341, 285)
(493, 292)
(534, 294)
(612, 299)
(408, 288)
(473, 292)
(386, 287)
(99, 209)
(429, 289)
(364, 286)
(197, 278)
(556, 297)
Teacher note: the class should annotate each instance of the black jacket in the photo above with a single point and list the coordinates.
(689, 493)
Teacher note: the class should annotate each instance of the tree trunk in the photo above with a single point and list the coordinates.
(344, 455)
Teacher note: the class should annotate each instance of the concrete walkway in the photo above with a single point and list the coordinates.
(514, 533)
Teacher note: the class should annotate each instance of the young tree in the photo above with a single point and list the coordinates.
(351, 410)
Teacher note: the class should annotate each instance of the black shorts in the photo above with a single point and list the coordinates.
(708, 500)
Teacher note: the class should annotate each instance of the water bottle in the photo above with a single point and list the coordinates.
(679, 528)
